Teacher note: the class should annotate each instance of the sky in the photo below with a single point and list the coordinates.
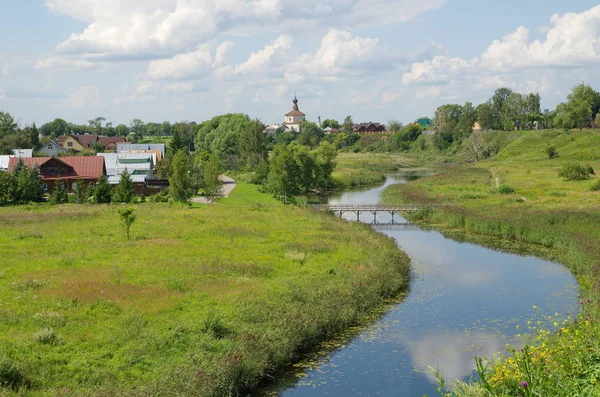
(376, 60)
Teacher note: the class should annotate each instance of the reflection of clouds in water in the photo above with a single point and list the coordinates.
(551, 269)
(452, 352)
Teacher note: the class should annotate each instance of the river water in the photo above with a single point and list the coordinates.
(465, 300)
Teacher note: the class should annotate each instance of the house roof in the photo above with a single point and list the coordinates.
(131, 147)
(86, 140)
(84, 166)
(295, 113)
(107, 140)
(424, 121)
(23, 152)
(368, 125)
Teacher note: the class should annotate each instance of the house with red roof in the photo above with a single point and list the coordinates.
(69, 170)
(87, 141)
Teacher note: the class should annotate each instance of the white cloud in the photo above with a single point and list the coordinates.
(573, 40)
(126, 29)
(183, 65)
(85, 97)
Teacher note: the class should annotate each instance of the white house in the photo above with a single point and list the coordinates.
(294, 118)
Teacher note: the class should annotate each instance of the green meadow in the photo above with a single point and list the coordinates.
(518, 196)
(364, 169)
(203, 300)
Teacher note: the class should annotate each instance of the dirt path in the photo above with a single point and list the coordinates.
(228, 186)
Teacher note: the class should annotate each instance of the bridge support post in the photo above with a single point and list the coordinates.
(393, 213)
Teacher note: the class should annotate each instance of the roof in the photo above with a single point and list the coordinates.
(114, 179)
(424, 121)
(107, 140)
(84, 166)
(116, 163)
(85, 139)
(141, 146)
(23, 152)
(4, 160)
(369, 124)
(295, 113)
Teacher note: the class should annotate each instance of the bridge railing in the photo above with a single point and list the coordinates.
(370, 207)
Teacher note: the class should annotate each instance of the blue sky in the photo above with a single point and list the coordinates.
(376, 60)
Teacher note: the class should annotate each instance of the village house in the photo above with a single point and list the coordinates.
(87, 141)
(52, 148)
(142, 148)
(18, 153)
(139, 166)
(68, 170)
(370, 128)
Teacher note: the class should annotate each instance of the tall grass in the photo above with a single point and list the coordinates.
(203, 300)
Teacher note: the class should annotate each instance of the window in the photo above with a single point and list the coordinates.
(74, 185)
(70, 144)
(45, 186)
(50, 147)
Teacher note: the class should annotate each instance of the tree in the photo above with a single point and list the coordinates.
(532, 108)
(8, 126)
(128, 217)
(331, 123)
(513, 112)
(280, 171)
(326, 155)
(97, 147)
(211, 181)
(56, 128)
(221, 135)
(348, 127)
(137, 129)
(121, 130)
(79, 193)
(497, 106)
(102, 192)
(59, 194)
(394, 126)
(310, 134)
(485, 116)
(597, 121)
(8, 188)
(166, 129)
(586, 94)
(573, 171)
(34, 135)
(96, 124)
(177, 142)
(124, 192)
(252, 145)
(467, 119)
(29, 186)
(182, 187)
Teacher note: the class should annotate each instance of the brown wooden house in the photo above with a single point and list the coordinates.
(69, 170)
(370, 128)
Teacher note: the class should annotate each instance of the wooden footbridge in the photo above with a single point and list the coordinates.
(358, 209)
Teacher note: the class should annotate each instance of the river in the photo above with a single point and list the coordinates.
(465, 300)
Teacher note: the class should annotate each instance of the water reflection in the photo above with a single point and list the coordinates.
(465, 300)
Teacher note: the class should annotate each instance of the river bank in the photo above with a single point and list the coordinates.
(204, 300)
(560, 217)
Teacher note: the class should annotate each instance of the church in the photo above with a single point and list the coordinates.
(292, 120)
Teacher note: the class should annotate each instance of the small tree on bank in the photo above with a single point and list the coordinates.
(127, 216)
(211, 182)
(125, 190)
(101, 193)
(59, 194)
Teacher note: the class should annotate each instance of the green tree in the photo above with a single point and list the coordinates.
(497, 105)
(80, 193)
(586, 93)
(137, 130)
(467, 119)
(513, 112)
(331, 123)
(59, 193)
(128, 217)
(326, 155)
(394, 126)
(485, 116)
(221, 135)
(56, 128)
(29, 186)
(32, 132)
(124, 192)
(96, 124)
(8, 125)
(261, 173)
(182, 186)
(310, 134)
(8, 188)
(102, 191)
(177, 143)
(121, 130)
(97, 147)
(348, 127)
(597, 121)
(281, 171)
(166, 129)
(211, 181)
(252, 145)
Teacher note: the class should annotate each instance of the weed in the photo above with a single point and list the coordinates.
(11, 376)
(595, 186)
(506, 189)
(47, 336)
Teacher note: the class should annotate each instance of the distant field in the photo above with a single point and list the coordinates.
(363, 169)
(203, 300)
(561, 216)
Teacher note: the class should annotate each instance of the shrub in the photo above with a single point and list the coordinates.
(575, 172)
(11, 375)
(595, 186)
(506, 189)
(551, 152)
(47, 336)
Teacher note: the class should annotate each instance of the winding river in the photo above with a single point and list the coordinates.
(465, 300)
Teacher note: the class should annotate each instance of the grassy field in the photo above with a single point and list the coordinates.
(545, 210)
(363, 169)
(203, 300)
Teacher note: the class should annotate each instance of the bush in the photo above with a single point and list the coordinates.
(595, 186)
(506, 189)
(47, 336)
(575, 172)
(11, 375)
(551, 152)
